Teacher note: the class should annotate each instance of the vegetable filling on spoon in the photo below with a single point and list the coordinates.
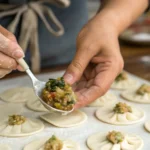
(58, 94)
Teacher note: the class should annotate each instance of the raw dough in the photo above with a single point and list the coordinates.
(9, 109)
(99, 141)
(18, 95)
(73, 119)
(124, 84)
(108, 98)
(4, 147)
(132, 96)
(38, 145)
(35, 105)
(147, 125)
(106, 114)
(29, 127)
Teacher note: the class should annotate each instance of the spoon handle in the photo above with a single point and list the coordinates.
(23, 64)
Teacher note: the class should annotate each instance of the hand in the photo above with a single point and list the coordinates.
(97, 61)
(9, 52)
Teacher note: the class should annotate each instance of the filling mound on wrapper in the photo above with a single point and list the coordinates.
(53, 144)
(122, 108)
(115, 137)
(16, 120)
(143, 89)
(122, 76)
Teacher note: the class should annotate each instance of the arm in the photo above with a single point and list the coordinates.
(122, 13)
(98, 61)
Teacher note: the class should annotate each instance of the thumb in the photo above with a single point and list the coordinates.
(77, 66)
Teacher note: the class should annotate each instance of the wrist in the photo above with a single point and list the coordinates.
(120, 14)
(108, 19)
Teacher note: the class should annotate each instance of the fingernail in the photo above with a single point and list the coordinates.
(68, 78)
(18, 54)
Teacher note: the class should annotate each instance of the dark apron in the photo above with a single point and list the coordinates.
(56, 50)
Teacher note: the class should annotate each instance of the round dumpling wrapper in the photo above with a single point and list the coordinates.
(36, 105)
(4, 147)
(29, 127)
(132, 96)
(72, 119)
(147, 125)
(107, 115)
(99, 141)
(124, 84)
(107, 99)
(39, 145)
(8, 109)
(18, 95)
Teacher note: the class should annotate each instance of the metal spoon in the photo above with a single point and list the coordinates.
(38, 86)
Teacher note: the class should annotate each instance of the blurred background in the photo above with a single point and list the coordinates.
(134, 45)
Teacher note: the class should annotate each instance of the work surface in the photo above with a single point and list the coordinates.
(78, 133)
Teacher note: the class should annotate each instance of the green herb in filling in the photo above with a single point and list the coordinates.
(59, 94)
(143, 89)
(53, 144)
(121, 76)
(115, 137)
(122, 108)
(16, 120)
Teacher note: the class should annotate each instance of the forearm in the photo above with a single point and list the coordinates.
(121, 13)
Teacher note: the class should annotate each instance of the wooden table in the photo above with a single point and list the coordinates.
(137, 61)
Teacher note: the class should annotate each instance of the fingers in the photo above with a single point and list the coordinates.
(76, 68)
(10, 51)
(10, 48)
(9, 45)
(87, 95)
(4, 72)
(86, 49)
(7, 34)
(105, 73)
(7, 62)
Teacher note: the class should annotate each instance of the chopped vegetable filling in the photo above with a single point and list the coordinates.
(121, 76)
(143, 89)
(122, 108)
(53, 144)
(16, 120)
(115, 137)
(59, 94)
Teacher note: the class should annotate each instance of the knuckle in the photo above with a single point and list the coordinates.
(118, 63)
(11, 37)
(12, 64)
(76, 64)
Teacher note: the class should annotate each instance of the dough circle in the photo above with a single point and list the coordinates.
(124, 84)
(132, 96)
(147, 125)
(18, 95)
(108, 98)
(8, 109)
(99, 141)
(36, 105)
(73, 119)
(107, 115)
(29, 127)
(4, 147)
(39, 145)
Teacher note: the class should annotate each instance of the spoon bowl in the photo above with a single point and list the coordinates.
(38, 86)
